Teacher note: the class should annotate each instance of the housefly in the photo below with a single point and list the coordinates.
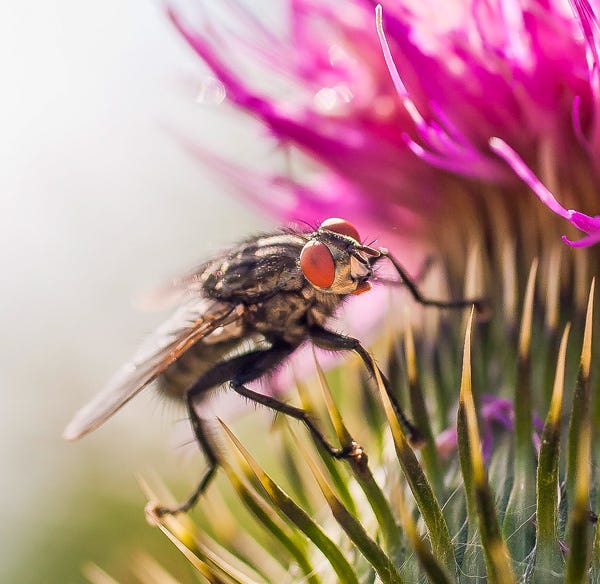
(275, 291)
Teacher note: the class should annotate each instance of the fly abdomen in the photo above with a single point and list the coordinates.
(196, 361)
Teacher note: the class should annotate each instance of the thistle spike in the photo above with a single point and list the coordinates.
(419, 485)
(284, 504)
(578, 556)
(97, 575)
(495, 551)
(553, 267)
(362, 473)
(548, 560)
(429, 454)
(371, 551)
(578, 459)
(337, 474)
(281, 534)
(435, 571)
(518, 527)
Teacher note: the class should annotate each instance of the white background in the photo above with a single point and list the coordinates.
(98, 203)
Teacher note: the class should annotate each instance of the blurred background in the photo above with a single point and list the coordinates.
(99, 204)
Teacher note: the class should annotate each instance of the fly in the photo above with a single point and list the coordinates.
(277, 291)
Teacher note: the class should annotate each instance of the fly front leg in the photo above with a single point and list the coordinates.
(418, 278)
(481, 304)
(331, 341)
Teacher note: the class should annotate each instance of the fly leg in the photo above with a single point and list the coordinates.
(331, 341)
(298, 414)
(418, 278)
(221, 373)
(240, 370)
(264, 362)
(481, 305)
(201, 434)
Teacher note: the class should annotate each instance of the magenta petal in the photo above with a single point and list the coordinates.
(487, 443)
(497, 410)
(537, 441)
(538, 423)
(446, 442)
(444, 146)
(590, 225)
(584, 222)
(501, 148)
(388, 122)
(576, 117)
(495, 413)
(589, 26)
(583, 242)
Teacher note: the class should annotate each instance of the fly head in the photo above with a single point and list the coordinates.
(334, 261)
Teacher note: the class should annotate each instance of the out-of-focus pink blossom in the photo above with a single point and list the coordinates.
(496, 413)
(474, 85)
(470, 107)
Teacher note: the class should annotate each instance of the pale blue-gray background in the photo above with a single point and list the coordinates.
(98, 203)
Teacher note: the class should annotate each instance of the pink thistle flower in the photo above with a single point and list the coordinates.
(342, 112)
(495, 412)
(429, 145)
(587, 224)
(468, 82)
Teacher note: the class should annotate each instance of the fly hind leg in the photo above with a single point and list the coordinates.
(200, 428)
(238, 371)
(298, 414)
(219, 374)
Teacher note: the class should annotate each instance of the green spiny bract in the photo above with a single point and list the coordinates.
(502, 490)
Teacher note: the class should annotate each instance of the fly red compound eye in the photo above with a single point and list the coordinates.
(317, 265)
(342, 227)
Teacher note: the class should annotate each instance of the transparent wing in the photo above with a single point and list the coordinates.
(171, 293)
(194, 320)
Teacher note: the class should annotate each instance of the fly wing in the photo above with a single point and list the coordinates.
(193, 321)
(173, 292)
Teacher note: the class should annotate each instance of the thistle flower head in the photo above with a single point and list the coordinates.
(392, 137)
(445, 126)
(509, 502)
